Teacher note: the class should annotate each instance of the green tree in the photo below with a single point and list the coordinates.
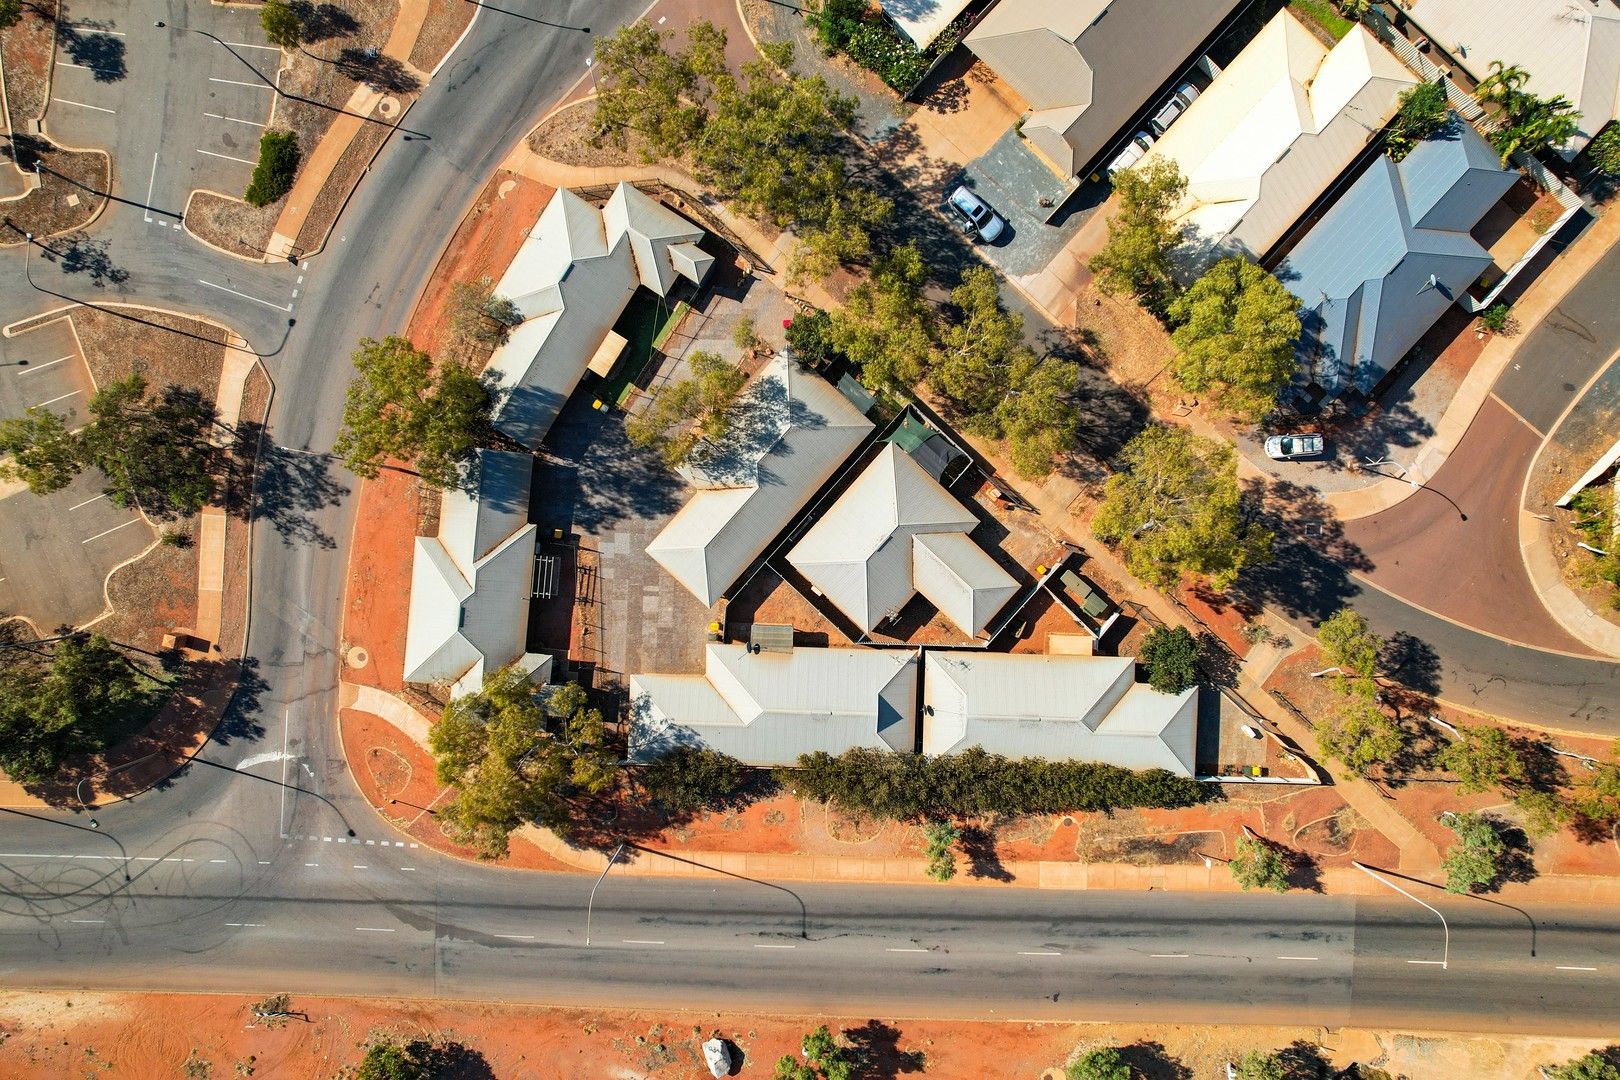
(1258, 1065)
(1528, 122)
(1592, 1066)
(281, 24)
(978, 350)
(1361, 734)
(834, 22)
(1135, 260)
(1039, 417)
(688, 779)
(400, 406)
(840, 234)
(1423, 112)
(1175, 509)
(1100, 1064)
(1170, 655)
(418, 1059)
(822, 1058)
(1257, 865)
(1599, 797)
(695, 409)
(39, 451)
(495, 748)
(1604, 151)
(1475, 860)
(1238, 325)
(809, 335)
(658, 96)
(157, 451)
(10, 12)
(1482, 758)
(276, 170)
(887, 326)
(480, 318)
(939, 845)
(1349, 643)
(1544, 812)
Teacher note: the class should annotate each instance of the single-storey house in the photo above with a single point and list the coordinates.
(1568, 47)
(1086, 67)
(1387, 260)
(471, 584)
(767, 708)
(1087, 708)
(571, 280)
(896, 532)
(790, 431)
(1280, 124)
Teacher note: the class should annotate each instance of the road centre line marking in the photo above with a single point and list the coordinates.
(114, 529)
(237, 82)
(243, 295)
(312, 864)
(639, 941)
(245, 45)
(216, 860)
(1168, 956)
(759, 945)
(1299, 958)
(87, 502)
(378, 929)
(244, 924)
(54, 400)
(82, 105)
(264, 862)
(1038, 952)
(93, 29)
(407, 868)
(227, 157)
(905, 950)
(1570, 967)
(42, 367)
(516, 937)
(232, 119)
(1431, 963)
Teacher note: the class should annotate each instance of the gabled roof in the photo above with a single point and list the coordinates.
(1279, 125)
(1390, 256)
(1087, 66)
(1569, 47)
(470, 585)
(867, 554)
(790, 431)
(768, 708)
(1087, 708)
(570, 280)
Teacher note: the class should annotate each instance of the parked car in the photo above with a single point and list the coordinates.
(1134, 151)
(1294, 447)
(1171, 110)
(976, 214)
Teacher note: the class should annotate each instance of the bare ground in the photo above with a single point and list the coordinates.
(231, 223)
(25, 50)
(445, 21)
(115, 347)
(69, 195)
(565, 136)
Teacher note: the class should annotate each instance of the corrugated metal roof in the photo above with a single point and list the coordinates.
(1086, 708)
(960, 578)
(790, 433)
(768, 708)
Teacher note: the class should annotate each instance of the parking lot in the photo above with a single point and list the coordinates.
(56, 550)
(176, 111)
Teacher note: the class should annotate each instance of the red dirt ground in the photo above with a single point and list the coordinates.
(379, 588)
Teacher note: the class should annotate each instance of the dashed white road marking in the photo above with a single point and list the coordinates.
(54, 400)
(232, 119)
(759, 945)
(42, 367)
(87, 920)
(312, 864)
(244, 924)
(216, 860)
(82, 105)
(114, 529)
(516, 937)
(227, 157)
(1168, 955)
(1571, 967)
(357, 866)
(408, 868)
(1429, 963)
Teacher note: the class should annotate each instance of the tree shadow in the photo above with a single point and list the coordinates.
(1312, 558)
(101, 54)
(876, 1049)
(1151, 1061)
(1518, 861)
(1543, 769)
(1412, 662)
(76, 253)
(1301, 870)
(979, 845)
(290, 489)
(322, 22)
(1217, 664)
(449, 1061)
(377, 70)
(1303, 1061)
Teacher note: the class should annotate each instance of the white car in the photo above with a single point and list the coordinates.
(1134, 151)
(1294, 447)
(1171, 110)
(977, 215)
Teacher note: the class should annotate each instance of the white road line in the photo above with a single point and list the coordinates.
(150, 184)
(93, 29)
(358, 866)
(88, 920)
(1168, 955)
(232, 119)
(82, 105)
(1570, 967)
(516, 937)
(245, 296)
(42, 367)
(87, 67)
(1433, 963)
(408, 868)
(227, 157)
(378, 929)
(264, 862)
(236, 82)
(286, 727)
(312, 864)
(760, 946)
(87, 502)
(1299, 958)
(905, 950)
(639, 941)
(216, 860)
(1038, 952)
(54, 400)
(114, 529)
(245, 45)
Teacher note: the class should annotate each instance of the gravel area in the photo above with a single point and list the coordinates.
(231, 223)
(446, 19)
(26, 51)
(114, 347)
(566, 137)
(155, 595)
(69, 195)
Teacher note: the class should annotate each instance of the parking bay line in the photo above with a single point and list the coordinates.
(245, 45)
(905, 950)
(87, 502)
(114, 529)
(46, 364)
(1307, 958)
(760, 945)
(1571, 967)
(245, 296)
(82, 105)
(238, 82)
(378, 929)
(639, 941)
(54, 400)
(232, 119)
(1038, 952)
(227, 157)
(88, 29)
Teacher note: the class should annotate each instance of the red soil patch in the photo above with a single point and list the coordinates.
(379, 587)
(1224, 616)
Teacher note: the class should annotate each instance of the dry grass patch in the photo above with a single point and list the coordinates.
(231, 223)
(566, 137)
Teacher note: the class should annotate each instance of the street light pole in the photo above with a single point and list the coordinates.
(1445, 955)
(591, 903)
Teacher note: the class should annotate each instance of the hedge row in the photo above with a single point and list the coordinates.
(972, 783)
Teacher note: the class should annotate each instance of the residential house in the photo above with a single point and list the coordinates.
(1088, 708)
(790, 432)
(471, 584)
(571, 280)
(1280, 124)
(1568, 47)
(767, 708)
(896, 532)
(1387, 260)
(1087, 67)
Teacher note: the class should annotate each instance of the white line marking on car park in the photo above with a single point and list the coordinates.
(244, 924)
(87, 502)
(1571, 967)
(1299, 957)
(377, 929)
(238, 82)
(232, 119)
(88, 67)
(245, 296)
(227, 157)
(108, 532)
(42, 367)
(759, 945)
(82, 105)
(93, 29)
(54, 400)
(1038, 952)
(88, 920)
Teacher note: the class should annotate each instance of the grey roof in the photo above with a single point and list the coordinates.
(1087, 66)
(470, 585)
(790, 431)
(1390, 257)
(768, 708)
(870, 552)
(571, 279)
(1087, 708)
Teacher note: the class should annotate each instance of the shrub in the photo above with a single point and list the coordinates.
(1594, 1066)
(688, 779)
(1258, 865)
(1604, 151)
(1498, 319)
(1423, 112)
(878, 48)
(278, 166)
(1171, 658)
(281, 24)
(1103, 1064)
(939, 844)
(807, 336)
(1475, 860)
(836, 21)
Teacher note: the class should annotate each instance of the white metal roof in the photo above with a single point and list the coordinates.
(768, 708)
(1569, 47)
(923, 20)
(1086, 708)
(791, 430)
(1279, 125)
(867, 555)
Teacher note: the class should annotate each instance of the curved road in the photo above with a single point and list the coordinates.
(259, 867)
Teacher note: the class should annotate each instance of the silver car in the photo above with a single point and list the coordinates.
(1134, 151)
(977, 215)
(1171, 110)
(1294, 447)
